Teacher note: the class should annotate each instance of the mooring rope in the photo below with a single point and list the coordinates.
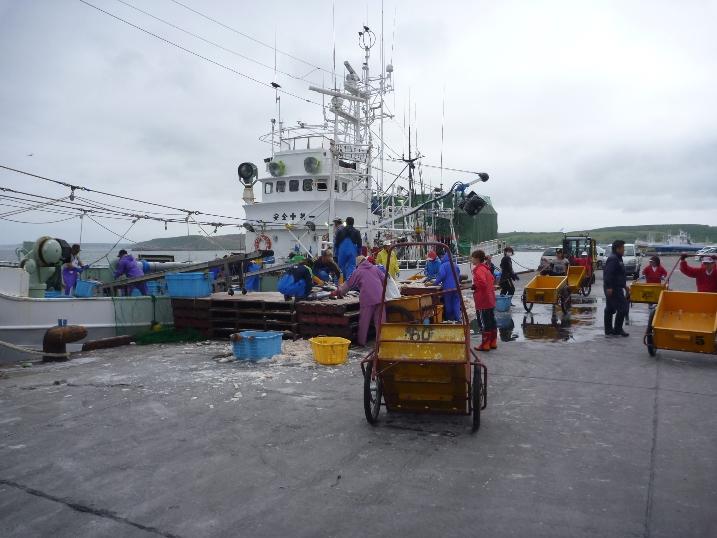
(32, 351)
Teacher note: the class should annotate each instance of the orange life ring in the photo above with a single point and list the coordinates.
(263, 238)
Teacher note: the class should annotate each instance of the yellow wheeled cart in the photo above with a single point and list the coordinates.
(683, 321)
(642, 292)
(577, 281)
(425, 367)
(546, 290)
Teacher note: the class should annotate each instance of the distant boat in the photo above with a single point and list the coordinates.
(674, 243)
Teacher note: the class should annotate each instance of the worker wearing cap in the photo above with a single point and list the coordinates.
(705, 275)
(382, 259)
(298, 279)
(654, 273)
(72, 269)
(253, 283)
(433, 265)
(129, 268)
(325, 268)
(348, 245)
(338, 226)
(368, 279)
(446, 278)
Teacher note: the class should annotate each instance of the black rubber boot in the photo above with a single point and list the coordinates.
(619, 320)
(608, 324)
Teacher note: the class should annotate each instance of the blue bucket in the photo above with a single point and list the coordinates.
(255, 345)
(86, 288)
(502, 302)
(189, 284)
(156, 287)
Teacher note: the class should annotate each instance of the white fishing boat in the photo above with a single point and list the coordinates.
(316, 173)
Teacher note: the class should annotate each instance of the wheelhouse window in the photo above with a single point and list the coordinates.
(336, 185)
(321, 186)
(344, 186)
(293, 185)
(308, 185)
(280, 186)
(268, 187)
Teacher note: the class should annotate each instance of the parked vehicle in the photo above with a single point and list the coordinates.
(581, 251)
(601, 257)
(709, 249)
(549, 256)
(632, 259)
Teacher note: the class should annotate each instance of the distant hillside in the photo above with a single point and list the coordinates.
(698, 232)
(194, 242)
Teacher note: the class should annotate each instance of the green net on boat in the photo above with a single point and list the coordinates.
(168, 336)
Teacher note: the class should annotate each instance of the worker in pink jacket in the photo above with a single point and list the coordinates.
(368, 279)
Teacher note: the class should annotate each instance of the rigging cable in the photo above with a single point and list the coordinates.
(205, 40)
(231, 29)
(87, 189)
(33, 208)
(193, 53)
(46, 222)
(123, 236)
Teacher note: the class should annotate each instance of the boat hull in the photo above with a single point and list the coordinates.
(24, 320)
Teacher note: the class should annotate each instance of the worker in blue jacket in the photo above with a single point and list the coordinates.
(447, 280)
(616, 291)
(297, 281)
(253, 283)
(348, 246)
(433, 265)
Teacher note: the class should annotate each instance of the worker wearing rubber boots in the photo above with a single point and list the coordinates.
(616, 292)
(484, 298)
(348, 246)
(368, 279)
(446, 279)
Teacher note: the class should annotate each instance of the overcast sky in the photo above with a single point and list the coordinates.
(584, 113)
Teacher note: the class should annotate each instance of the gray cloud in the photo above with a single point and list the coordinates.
(584, 114)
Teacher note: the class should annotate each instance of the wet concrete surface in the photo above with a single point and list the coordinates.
(583, 436)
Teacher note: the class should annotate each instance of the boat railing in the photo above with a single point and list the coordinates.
(492, 247)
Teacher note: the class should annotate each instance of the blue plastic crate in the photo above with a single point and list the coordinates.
(255, 345)
(86, 288)
(189, 284)
(502, 302)
(157, 287)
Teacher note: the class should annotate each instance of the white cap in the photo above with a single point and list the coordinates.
(387, 243)
(707, 259)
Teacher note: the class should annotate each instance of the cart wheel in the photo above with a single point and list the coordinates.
(230, 291)
(243, 291)
(649, 337)
(477, 393)
(528, 306)
(372, 393)
(587, 289)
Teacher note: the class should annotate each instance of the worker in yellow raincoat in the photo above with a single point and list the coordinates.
(382, 259)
